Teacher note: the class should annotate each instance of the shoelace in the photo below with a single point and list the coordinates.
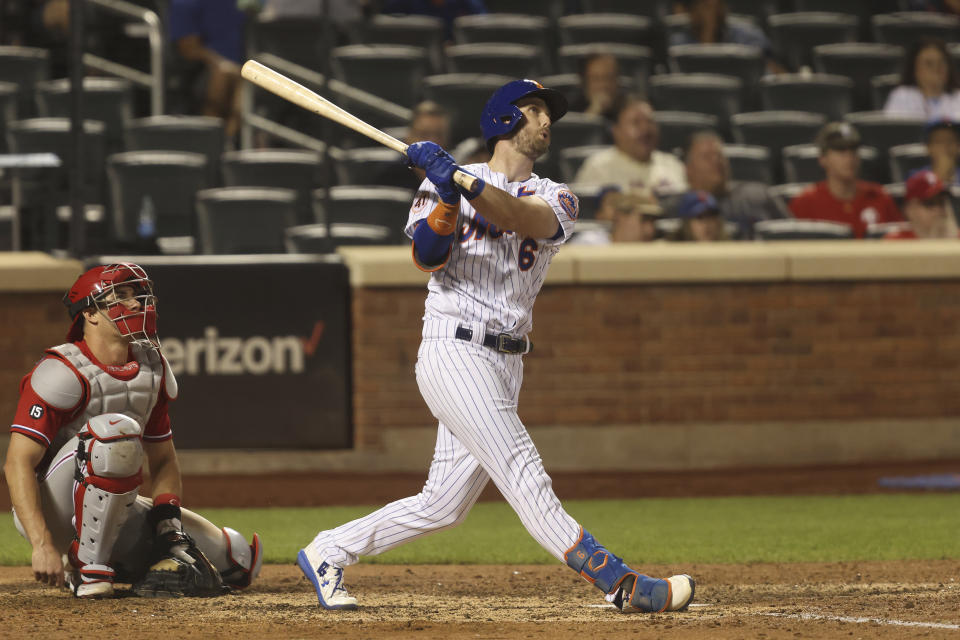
(338, 577)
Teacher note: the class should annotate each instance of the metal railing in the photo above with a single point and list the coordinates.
(313, 80)
(153, 80)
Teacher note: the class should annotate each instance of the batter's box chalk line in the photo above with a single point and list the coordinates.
(862, 620)
(610, 606)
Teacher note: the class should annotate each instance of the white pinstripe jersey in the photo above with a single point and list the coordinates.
(493, 276)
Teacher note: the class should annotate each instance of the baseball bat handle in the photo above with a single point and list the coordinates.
(279, 84)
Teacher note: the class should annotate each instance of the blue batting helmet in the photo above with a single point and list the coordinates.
(501, 115)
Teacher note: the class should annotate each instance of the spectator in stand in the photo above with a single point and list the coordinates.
(939, 6)
(709, 25)
(448, 10)
(943, 147)
(634, 160)
(599, 86)
(209, 36)
(430, 122)
(929, 87)
(632, 217)
(842, 196)
(701, 219)
(927, 207)
(743, 203)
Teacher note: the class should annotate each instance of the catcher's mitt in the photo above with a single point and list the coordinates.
(182, 570)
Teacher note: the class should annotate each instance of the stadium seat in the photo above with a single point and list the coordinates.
(38, 191)
(680, 22)
(153, 193)
(25, 67)
(524, 61)
(654, 9)
(759, 10)
(232, 220)
(880, 230)
(196, 134)
(860, 8)
(677, 126)
(578, 130)
(906, 27)
(589, 197)
(8, 110)
(801, 163)
(859, 61)
(375, 166)
(573, 158)
(749, 163)
(463, 94)
(391, 71)
(883, 131)
(410, 30)
(109, 100)
(897, 191)
(782, 194)
(317, 238)
(604, 27)
(531, 30)
(280, 168)
(792, 229)
(743, 61)
(384, 206)
(816, 93)
(634, 61)
(953, 48)
(294, 39)
(776, 130)
(796, 34)
(717, 95)
(880, 89)
(550, 8)
(905, 159)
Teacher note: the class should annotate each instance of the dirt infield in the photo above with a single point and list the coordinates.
(856, 600)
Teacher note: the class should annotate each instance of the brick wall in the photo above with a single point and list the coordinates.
(642, 353)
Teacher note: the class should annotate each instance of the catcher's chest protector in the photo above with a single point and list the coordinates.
(134, 398)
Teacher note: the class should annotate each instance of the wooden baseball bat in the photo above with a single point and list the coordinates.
(275, 82)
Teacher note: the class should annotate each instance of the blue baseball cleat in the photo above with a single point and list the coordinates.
(327, 581)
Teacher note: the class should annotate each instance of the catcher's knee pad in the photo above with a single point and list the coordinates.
(109, 459)
(245, 559)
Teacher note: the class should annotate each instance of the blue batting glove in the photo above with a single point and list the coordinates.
(439, 166)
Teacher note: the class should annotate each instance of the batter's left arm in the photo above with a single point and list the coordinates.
(529, 217)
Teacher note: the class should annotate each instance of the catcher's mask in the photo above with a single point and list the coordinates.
(121, 292)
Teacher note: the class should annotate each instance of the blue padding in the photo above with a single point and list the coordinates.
(431, 247)
(596, 564)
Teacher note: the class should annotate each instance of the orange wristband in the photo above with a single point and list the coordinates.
(443, 218)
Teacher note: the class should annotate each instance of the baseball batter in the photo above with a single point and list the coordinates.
(90, 413)
(488, 251)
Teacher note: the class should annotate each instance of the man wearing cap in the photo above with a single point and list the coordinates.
(943, 147)
(927, 208)
(842, 197)
(634, 161)
(700, 218)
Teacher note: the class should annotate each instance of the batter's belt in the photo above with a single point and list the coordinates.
(502, 342)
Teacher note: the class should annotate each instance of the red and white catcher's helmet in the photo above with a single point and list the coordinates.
(134, 312)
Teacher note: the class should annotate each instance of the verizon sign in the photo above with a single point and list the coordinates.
(260, 347)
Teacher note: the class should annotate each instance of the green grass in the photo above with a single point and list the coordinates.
(716, 530)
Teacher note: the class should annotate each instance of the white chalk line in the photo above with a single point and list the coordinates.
(861, 620)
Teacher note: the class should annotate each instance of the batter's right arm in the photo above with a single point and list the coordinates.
(529, 216)
(23, 455)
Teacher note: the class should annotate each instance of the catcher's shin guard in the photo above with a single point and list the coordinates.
(109, 458)
(627, 589)
(245, 559)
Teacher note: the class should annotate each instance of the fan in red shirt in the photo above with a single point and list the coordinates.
(92, 413)
(842, 197)
(928, 209)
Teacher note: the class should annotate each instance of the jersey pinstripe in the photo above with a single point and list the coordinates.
(493, 276)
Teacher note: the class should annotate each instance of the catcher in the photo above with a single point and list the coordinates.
(90, 413)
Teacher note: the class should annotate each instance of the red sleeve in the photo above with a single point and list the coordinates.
(158, 425)
(35, 418)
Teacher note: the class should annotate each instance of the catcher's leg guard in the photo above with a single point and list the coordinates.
(245, 559)
(627, 589)
(109, 459)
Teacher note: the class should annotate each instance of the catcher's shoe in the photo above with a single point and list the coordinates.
(327, 581)
(641, 594)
